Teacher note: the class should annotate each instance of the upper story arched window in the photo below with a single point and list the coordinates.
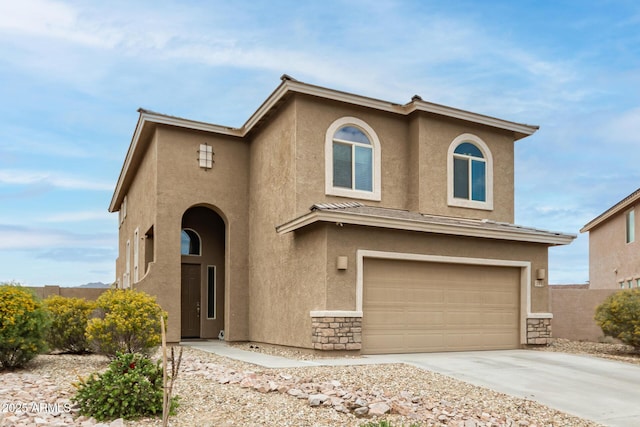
(190, 242)
(470, 173)
(352, 160)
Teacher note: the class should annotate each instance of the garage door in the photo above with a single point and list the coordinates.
(416, 306)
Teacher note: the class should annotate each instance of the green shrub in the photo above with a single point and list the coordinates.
(23, 324)
(619, 316)
(131, 387)
(69, 318)
(125, 321)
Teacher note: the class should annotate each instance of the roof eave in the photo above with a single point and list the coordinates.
(149, 118)
(612, 211)
(552, 239)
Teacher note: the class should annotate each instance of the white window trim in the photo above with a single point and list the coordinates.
(473, 204)
(136, 254)
(215, 291)
(630, 226)
(127, 271)
(328, 161)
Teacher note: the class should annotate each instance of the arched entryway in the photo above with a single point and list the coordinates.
(202, 247)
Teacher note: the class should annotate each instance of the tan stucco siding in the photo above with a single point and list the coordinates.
(413, 159)
(183, 184)
(435, 135)
(285, 277)
(141, 214)
(313, 118)
(611, 259)
(346, 240)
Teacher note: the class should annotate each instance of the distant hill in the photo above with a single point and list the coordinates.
(95, 285)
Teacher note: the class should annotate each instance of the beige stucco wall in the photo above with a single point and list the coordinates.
(573, 311)
(414, 159)
(273, 176)
(295, 273)
(611, 259)
(160, 194)
(346, 240)
(141, 213)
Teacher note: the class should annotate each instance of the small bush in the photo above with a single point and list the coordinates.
(619, 316)
(131, 387)
(125, 321)
(69, 318)
(23, 324)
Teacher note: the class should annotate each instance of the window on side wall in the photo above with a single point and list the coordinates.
(470, 173)
(630, 226)
(352, 160)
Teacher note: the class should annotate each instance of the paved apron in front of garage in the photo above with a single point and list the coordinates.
(601, 390)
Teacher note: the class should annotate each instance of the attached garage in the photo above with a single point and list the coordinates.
(423, 306)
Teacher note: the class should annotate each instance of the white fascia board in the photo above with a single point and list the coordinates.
(421, 226)
(613, 211)
(114, 206)
(471, 117)
(321, 92)
(190, 124)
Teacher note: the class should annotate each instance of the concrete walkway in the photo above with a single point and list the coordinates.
(604, 391)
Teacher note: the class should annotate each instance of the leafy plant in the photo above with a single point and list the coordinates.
(125, 321)
(131, 387)
(619, 316)
(23, 324)
(69, 317)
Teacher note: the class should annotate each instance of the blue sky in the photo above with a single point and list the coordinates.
(73, 73)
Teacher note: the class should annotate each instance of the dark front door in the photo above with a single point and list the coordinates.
(190, 301)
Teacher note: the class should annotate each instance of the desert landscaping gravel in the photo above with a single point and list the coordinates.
(222, 392)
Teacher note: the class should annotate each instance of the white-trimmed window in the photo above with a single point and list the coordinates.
(123, 210)
(470, 173)
(211, 292)
(630, 226)
(126, 278)
(205, 156)
(136, 254)
(352, 160)
(190, 243)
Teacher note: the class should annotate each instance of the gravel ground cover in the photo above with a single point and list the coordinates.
(217, 391)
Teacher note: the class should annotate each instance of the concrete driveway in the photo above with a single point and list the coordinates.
(604, 391)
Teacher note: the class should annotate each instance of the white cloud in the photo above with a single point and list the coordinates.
(54, 179)
(17, 237)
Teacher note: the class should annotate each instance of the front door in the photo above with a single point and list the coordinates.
(190, 301)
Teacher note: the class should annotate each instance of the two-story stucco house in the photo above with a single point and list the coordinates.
(614, 252)
(335, 221)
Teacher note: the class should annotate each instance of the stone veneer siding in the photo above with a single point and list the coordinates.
(538, 331)
(336, 333)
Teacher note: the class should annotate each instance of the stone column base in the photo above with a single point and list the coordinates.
(539, 331)
(336, 333)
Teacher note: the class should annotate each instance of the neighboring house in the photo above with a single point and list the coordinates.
(614, 252)
(337, 222)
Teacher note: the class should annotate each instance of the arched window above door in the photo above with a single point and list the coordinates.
(190, 242)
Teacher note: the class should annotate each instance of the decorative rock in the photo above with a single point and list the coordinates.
(379, 408)
(362, 411)
(317, 399)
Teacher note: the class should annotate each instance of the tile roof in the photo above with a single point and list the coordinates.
(359, 214)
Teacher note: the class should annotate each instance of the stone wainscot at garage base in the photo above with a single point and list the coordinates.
(345, 333)
(538, 331)
(336, 333)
